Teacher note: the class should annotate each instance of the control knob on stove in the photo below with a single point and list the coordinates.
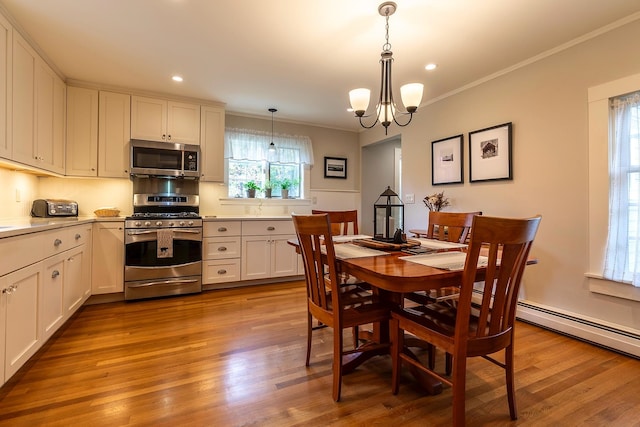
(137, 223)
(158, 223)
(171, 224)
(190, 223)
(181, 223)
(147, 223)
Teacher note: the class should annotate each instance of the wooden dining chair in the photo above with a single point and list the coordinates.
(473, 328)
(339, 307)
(342, 222)
(450, 227)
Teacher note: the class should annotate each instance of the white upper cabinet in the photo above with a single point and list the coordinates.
(38, 110)
(114, 133)
(6, 40)
(166, 121)
(82, 131)
(212, 143)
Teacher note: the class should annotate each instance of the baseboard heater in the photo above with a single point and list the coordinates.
(618, 339)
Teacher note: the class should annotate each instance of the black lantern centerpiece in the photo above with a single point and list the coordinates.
(388, 218)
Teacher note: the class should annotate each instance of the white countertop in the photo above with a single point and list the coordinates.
(19, 226)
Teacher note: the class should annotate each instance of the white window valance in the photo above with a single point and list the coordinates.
(249, 144)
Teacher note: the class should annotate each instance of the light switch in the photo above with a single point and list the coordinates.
(409, 198)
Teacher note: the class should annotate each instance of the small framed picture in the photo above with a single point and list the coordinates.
(490, 153)
(446, 161)
(335, 167)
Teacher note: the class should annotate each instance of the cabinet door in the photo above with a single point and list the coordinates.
(59, 124)
(107, 269)
(23, 106)
(49, 142)
(3, 328)
(256, 258)
(148, 119)
(212, 143)
(6, 49)
(114, 133)
(53, 312)
(82, 132)
(284, 259)
(183, 123)
(22, 302)
(74, 280)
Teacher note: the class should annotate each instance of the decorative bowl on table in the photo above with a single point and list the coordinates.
(107, 212)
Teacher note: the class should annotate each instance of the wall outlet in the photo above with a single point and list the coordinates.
(409, 198)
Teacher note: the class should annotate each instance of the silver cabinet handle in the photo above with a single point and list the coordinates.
(222, 229)
(222, 249)
(57, 242)
(222, 271)
(271, 228)
(55, 274)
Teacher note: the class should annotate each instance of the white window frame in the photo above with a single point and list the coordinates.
(599, 134)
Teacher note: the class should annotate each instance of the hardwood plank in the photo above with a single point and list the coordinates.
(236, 357)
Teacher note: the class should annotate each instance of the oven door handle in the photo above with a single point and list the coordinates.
(182, 230)
(163, 282)
(140, 232)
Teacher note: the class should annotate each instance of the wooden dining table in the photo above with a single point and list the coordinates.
(392, 277)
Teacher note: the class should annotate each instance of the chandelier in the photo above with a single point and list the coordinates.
(386, 110)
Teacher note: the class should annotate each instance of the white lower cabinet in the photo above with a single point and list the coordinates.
(22, 292)
(265, 251)
(53, 308)
(221, 252)
(42, 293)
(107, 272)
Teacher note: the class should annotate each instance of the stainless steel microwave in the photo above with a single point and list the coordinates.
(164, 159)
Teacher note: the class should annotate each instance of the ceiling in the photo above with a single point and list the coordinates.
(300, 56)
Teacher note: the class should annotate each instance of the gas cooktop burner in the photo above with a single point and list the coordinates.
(166, 215)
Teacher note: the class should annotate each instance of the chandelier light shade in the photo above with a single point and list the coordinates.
(386, 110)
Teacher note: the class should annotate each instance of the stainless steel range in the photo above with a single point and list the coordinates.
(163, 239)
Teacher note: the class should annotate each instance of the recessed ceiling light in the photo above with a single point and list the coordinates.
(430, 67)
(176, 78)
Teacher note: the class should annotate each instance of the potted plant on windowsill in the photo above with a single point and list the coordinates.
(286, 184)
(251, 188)
(268, 188)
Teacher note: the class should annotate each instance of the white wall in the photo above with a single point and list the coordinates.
(547, 103)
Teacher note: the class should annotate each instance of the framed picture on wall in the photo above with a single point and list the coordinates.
(446, 161)
(490, 153)
(335, 167)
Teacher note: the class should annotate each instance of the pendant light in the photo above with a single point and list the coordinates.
(272, 146)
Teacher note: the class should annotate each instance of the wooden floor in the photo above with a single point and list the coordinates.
(236, 358)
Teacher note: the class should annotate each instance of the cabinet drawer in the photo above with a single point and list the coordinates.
(221, 247)
(221, 228)
(267, 228)
(76, 236)
(220, 271)
(20, 251)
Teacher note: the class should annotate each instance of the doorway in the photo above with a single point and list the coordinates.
(381, 167)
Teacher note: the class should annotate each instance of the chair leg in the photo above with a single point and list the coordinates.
(396, 336)
(447, 362)
(309, 332)
(337, 362)
(511, 391)
(356, 338)
(459, 385)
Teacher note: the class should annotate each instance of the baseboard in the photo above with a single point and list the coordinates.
(613, 337)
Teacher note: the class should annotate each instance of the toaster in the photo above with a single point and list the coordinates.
(44, 208)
